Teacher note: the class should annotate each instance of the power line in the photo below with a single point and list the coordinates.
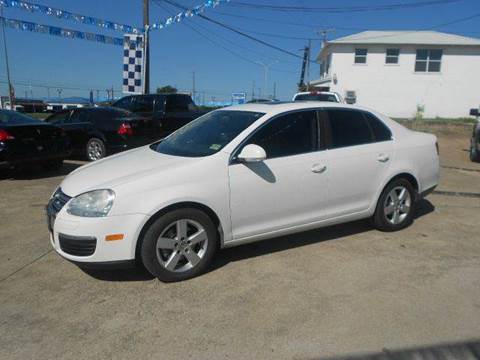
(343, 9)
(237, 31)
(191, 26)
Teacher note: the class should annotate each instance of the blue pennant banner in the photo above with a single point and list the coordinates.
(57, 31)
(67, 15)
(187, 14)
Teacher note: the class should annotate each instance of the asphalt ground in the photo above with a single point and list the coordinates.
(340, 291)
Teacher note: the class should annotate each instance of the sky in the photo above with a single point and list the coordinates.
(223, 61)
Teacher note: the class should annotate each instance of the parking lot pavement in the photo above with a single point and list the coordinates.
(340, 290)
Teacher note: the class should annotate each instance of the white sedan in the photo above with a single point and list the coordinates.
(238, 175)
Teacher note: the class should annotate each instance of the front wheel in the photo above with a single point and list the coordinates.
(179, 245)
(395, 207)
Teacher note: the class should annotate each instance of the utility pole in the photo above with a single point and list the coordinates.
(11, 94)
(308, 63)
(275, 90)
(113, 96)
(146, 25)
(265, 74)
(48, 93)
(253, 90)
(193, 86)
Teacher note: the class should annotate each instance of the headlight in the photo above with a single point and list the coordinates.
(96, 203)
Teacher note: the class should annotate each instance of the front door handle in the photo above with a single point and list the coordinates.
(383, 158)
(317, 168)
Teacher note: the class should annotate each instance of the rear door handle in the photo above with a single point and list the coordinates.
(383, 158)
(317, 168)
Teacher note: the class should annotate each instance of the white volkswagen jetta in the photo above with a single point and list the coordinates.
(237, 175)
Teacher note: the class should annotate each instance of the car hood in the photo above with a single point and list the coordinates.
(120, 169)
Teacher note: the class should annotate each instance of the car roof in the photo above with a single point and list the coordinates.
(274, 108)
(316, 93)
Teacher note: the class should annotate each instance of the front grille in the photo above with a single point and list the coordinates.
(77, 245)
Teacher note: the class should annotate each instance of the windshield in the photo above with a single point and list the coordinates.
(316, 97)
(8, 117)
(207, 134)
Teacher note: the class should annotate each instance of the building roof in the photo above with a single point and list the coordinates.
(407, 37)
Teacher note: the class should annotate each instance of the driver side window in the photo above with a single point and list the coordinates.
(287, 135)
(59, 118)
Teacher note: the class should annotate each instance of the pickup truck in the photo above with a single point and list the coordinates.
(168, 112)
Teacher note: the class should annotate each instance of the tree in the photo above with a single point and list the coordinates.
(166, 90)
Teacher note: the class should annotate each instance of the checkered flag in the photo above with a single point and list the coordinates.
(133, 64)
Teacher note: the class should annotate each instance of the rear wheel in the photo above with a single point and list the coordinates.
(95, 149)
(395, 207)
(179, 245)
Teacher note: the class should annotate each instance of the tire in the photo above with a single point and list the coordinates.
(53, 164)
(95, 149)
(474, 154)
(395, 213)
(179, 259)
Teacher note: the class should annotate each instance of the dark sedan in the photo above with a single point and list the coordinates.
(26, 141)
(101, 131)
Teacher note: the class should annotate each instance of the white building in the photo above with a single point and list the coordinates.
(402, 72)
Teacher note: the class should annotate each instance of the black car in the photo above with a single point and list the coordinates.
(169, 112)
(101, 131)
(25, 141)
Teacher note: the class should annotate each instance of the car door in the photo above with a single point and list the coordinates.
(360, 149)
(78, 127)
(287, 189)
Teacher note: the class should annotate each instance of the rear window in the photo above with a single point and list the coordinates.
(316, 97)
(8, 117)
(348, 128)
(380, 130)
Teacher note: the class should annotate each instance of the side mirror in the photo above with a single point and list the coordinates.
(252, 153)
(474, 112)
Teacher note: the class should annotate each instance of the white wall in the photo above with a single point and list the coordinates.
(395, 90)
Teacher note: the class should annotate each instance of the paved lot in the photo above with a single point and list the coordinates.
(341, 290)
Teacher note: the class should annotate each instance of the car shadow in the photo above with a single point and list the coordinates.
(35, 172)
(261, 248)
(284, 243)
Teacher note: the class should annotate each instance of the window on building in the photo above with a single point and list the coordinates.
(361, 56)
(428, 60)
(392, 56)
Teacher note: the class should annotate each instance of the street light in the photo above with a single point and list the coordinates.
(265, 73)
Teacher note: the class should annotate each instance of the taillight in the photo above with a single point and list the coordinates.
(125, 129)
(5, 135)
(438, 149)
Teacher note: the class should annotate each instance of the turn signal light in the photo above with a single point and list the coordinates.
(125, 129)
(5, 135)
(114, 237)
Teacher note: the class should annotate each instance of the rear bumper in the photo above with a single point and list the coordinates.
(10, 158)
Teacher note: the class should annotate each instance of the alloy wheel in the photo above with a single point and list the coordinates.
(95, 150)
(181, 245)
(397, 205)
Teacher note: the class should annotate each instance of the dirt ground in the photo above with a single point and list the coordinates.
(340, 290)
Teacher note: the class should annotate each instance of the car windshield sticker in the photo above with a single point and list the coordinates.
(215, 146)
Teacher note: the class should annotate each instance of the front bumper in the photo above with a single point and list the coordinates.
(83, 240)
